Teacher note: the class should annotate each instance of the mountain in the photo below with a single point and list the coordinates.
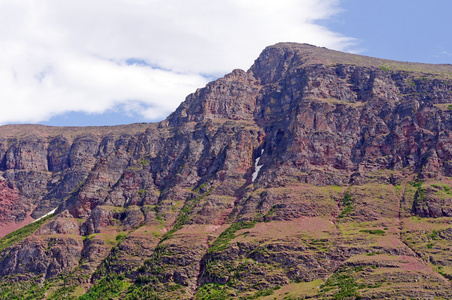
(315, 174)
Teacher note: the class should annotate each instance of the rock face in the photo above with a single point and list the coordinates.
(314, 174)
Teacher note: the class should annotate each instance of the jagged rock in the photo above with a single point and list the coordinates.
(312, 166)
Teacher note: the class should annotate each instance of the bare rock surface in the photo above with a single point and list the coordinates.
(352, 197)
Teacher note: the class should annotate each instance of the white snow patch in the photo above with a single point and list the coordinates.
(48, 214)
(257, 168)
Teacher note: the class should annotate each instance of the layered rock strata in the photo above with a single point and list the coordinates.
(350, 198)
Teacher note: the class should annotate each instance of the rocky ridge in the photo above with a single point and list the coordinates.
(351, 198)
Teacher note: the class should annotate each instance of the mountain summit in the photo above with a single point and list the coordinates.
(315, 174)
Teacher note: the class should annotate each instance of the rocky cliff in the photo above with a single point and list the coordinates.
(315, 174)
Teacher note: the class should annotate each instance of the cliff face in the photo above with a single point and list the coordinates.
(314, 174)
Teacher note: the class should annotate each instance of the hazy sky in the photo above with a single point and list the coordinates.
(114, 62)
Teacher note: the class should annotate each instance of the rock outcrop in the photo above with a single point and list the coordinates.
(314, 174)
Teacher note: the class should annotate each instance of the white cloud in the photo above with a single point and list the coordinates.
(60, 56)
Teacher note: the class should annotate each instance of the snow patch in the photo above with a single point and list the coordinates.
(257, 168)
(48, 214)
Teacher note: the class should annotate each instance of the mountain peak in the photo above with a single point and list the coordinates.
(283, 55)
(315, 174)
(236, 95)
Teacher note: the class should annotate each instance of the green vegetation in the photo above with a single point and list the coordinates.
(111, 286)
(295, 291)
(322, 245)
(447, 188)
(21, 234)
(79, 186)
(343, 284)
(271, 212)
(28, 290)
(141, 192)
(261, 293)
(201, 187)
(144, 161)
(134, 168)
(374, 231)
(347, 202)
(419, 195)
(152, 269)
(434, 235)
(440, 270)
(64, 292)
(443, 188)
(141, 292)
(53, 289)
(222, 241)
(149, 287)
(184, 215)
(121, 236)
(213, 291)
(417, 183)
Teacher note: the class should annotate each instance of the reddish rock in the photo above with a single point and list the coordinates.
(150, 201)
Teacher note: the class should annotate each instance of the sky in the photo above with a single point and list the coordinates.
(108, 62)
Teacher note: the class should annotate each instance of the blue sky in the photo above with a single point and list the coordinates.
(107, 62)
(406, 30)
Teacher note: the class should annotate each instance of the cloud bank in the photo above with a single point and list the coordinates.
(141, 56)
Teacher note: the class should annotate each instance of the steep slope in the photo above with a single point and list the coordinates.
(314, 174)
